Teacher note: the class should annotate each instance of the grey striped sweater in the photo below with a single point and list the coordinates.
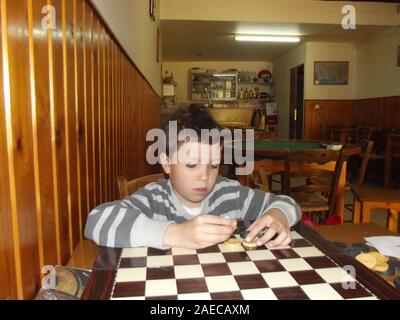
(142, 218)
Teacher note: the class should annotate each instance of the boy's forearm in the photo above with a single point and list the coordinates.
(287, 206)
(171, 235)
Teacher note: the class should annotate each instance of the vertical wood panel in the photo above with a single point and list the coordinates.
(71, 131)
(58, 127)
(8, 281)
(22, 144)
(95, 110)
(80, 99)
(379, 112)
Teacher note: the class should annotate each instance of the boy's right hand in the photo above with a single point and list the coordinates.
(201, 232)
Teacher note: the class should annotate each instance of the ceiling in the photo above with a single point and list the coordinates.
(214, 40)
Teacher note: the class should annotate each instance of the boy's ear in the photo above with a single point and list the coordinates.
(164, 159)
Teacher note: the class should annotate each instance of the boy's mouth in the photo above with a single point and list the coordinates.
(200, 190)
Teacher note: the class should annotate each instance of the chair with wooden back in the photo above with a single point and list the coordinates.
(360, 167)
(261, 177)
(126, 187)
(315, 197)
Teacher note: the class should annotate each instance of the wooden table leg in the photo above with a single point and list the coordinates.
(366, 212)
(356, 211)
(387, 164)
(339, 206)
(393, 220)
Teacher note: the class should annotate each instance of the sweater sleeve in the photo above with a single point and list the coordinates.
(256, 203)
(127, 223)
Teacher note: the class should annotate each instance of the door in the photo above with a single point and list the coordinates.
(296, 121)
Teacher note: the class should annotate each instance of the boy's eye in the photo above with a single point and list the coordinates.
(215, 166)
(191, 166)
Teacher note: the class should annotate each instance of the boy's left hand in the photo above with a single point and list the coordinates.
(276, 223)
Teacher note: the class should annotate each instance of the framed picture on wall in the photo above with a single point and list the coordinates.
(331, 72)
(152, 9)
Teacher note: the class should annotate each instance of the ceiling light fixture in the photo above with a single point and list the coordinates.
(266, 38)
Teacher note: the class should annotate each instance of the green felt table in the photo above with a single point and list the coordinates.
(275, 148)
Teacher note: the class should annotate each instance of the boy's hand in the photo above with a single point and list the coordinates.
(199, 233)
(276, 223)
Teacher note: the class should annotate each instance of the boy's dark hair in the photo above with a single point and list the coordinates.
(194, 116)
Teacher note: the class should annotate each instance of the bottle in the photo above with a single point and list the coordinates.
(166, 76)
(241, 94)
(246, 93)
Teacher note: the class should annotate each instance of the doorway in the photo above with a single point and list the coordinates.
(296, 122)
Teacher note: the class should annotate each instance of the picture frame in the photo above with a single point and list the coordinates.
(331, 72)
(152, 9)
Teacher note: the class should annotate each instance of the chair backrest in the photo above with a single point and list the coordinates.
(366, 147)
(321, 169)
(261, 177)
(126, 187)
(363, 133)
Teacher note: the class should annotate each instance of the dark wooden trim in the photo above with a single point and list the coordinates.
(99, 285)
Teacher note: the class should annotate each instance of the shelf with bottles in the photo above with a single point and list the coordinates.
(213, 86)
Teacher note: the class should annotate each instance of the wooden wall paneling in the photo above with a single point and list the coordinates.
(95, 111)
(108, 119)
(71, 131)
(114, 119)
(80, 98)
(99, 117)
(119, 116)
(379, 112)
(46, 210)
(123, 115)
(20, 144)
(8, 277)
(89, 106)
(58, 115)
(103, 121)
(74, 113)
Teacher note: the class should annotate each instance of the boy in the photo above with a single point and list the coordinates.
(195, 208)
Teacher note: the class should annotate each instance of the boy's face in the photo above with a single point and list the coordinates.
(193, 171)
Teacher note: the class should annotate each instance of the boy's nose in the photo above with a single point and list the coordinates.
(204, 172)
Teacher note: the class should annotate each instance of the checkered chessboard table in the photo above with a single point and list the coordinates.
(298, 271)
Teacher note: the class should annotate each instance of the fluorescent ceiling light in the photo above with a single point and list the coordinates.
(266, 38)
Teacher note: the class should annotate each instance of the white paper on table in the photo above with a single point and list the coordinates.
(387, 245)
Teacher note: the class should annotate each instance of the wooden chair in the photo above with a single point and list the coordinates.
(366, 147)
(261, 177)
(392, 152)
(126, 187)
(314, 197)
(359, 169)
(366, 199)
(367, 133)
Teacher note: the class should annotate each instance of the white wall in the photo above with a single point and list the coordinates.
(293, 11)
(181, 71)
(330, 52)
(130, 22)
(282, 67)
(377, 73)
